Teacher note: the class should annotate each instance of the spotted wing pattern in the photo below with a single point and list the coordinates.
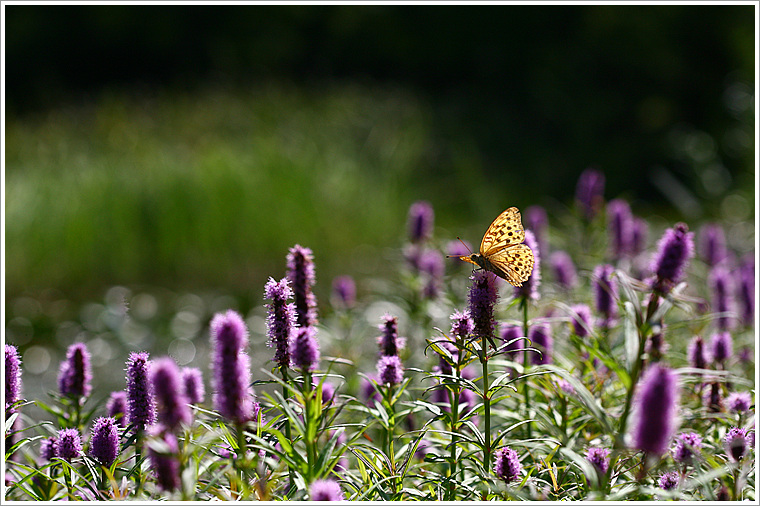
(513, 263)
(505, 231)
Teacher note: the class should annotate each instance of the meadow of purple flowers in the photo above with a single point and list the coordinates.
(623, 369)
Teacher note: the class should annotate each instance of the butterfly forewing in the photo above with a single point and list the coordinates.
(506, 230)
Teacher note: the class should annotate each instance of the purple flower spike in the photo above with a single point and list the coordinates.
(301, 275)
(721, 286)
(461, 324)
(75, 373)
(541, 338)
(639, 235)
(657, 404)
(675, 248)
(565, 386)
(721, 347)
(712, 398)
(328, 391)
(233, 397)
(69, 445)
(529, 288)
(104, 446)
(712, 244)
(507, 464)
(421, 219)
(281, 319)
(509, 333)
(589, 192)
(12, 378)
(536, 221)
(668, 481)
(192, 381)
(116, 407)
(141, 408)
(482, 298)
(563, 269)
(304, 349)
(49, 448)
(620, 225)
(173, 409)
(389, 341)
(600, 458)
(369, 392)
(606, 292)
(432, 268)
(746, 291)
(390, 370)
(344, 292)
(325, 490)
(581, 319)
(165, 465)
(739, 402)
(736, 443)
(686, 446)
(697, 353)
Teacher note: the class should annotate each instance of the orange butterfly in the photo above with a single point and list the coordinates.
(502, 250)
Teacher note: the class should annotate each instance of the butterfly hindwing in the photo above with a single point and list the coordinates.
(506, 230)
(515, 263)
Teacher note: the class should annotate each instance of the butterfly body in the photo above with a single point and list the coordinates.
(502, 250)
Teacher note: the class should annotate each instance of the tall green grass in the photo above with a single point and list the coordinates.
(209, 189)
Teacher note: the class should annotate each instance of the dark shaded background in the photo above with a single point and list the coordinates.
(550, 88)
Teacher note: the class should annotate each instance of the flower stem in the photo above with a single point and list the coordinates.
(644, 330)
(285, 396)
(309, 400)
(388, 393)
(526, 364)
(138, 460)
(451, 494)
(486, 407)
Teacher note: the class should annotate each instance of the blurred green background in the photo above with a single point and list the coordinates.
(187, 147)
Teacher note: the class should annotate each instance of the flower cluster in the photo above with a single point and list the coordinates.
(141, 408)
(507, 465)
(233, 397)
(389, 367)
(301, 275)
(75, 374)
(281, 319)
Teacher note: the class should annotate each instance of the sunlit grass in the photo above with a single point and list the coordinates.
(207, 189)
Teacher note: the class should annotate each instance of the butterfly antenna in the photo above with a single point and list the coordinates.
(463, 244)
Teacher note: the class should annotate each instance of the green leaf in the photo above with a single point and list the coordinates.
(583, 395)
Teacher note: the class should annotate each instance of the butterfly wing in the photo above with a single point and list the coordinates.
(513, 263)
(505, 231)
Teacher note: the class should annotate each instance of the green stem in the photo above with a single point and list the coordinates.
(735, 491)
(138, 460)
(309, 400)
(644, 330)
(388, 392)
(526, 365)
(102, 484)
(285, 396)
(451, 494)
(242, 446)
(486, 407)
(67, 476)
